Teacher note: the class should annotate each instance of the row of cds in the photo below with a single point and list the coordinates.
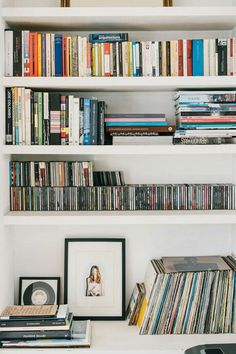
(193, 301)
(129, 197)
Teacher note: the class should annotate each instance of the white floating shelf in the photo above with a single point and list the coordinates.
(176, 217)
(123, 83)
(111, 150)
(117, 337)
(122, 18)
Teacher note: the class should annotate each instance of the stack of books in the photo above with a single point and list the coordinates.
(139, 129)
(188, 295)
(42, 326)
(206, 117)
(111, 54)
(53, 118)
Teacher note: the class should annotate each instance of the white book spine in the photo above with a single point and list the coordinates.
(32, 174)
(157, 58)
(148, 58)
(185, 57)
(153, 59)
(111, 58)
(71, 119)
(8, 53)
(144, 58)
(28, 116)
(19, 99)
(212, 58)
(76, 121)
(46, 112)
(206, 57)
(176, 50)
(117, 59)
(49, 54)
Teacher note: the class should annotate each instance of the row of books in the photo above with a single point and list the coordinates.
(65, 54)
(53, 118)
(61, 174)
(128, 197)
(46, 326)
(205, 117)
(186, 295)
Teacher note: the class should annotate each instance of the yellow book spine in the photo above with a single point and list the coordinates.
(163, 58)
(99, 59)
(142, 313)
(39, 54)
(93, 62)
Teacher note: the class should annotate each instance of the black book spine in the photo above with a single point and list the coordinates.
(160, 58)
(222, 57)
(140, 60)
(114, 59)
(35, 335)
(94, 121)
(46, 120)
(9, 125)
(168, 61)
(101, 122)
(120, 60)
(17, 53)
(55, 113)
(30, 323)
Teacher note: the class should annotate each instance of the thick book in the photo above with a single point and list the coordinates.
(160, 129)
(222, 57)
(55, 118)
(17, 53)
(9, 125)
(135, 115)
(80, 338)
(23, 311)
(108, 37)
(8, 60)
(35, 334)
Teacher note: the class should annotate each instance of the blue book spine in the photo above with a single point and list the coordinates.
(58, 55)
(136, 124)
(87, 139)
(197, 58)
(44, 54)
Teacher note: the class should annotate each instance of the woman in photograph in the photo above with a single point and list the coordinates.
(94, 282)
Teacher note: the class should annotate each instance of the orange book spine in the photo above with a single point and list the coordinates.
(31, 54)
(180, 53)
(107, 69)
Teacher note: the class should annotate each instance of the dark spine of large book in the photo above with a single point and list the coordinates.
(168, 60)
(17, 53)
(58, 55)
(32, 116)
(101, 122)
(120, 60)
(94, 121)
(222, 57)
(30, 323)
(202, 140)
(9, 126)
(160, 58)
(114, 59)
(35, 335)
(55, 112)
(108, 37)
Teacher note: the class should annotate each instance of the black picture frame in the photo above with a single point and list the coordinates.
(57, 279)
(68, 241)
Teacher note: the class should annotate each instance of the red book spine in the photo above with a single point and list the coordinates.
(189, 58)
(31, 55)
(181, 60)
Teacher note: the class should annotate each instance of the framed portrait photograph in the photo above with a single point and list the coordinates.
(39, 291)
(95, 278)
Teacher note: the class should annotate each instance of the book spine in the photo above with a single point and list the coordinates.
(212, 57)
(216, 58)
(25, 323)
(26, 55)
(164, 61)
(81, 121)
(23, 122)
(222, 57)
(87, 139)
(89, 59)
(36, 118)
(55, 126)
(94, 121)
(206, 57)
(17, 53)
(168, 59)
(58, 55)
(201, 141)
(197, 50)
(40, 118)
(8, 52)
(70, 128)
(50, 54)
(74, 56)
(234, 55)
(29, 335)
(185, 58)
(35, 54)
(9, 122)
(32, 116)
(76, 121)
(19, 114)
(108, 37)
(44, 63)
(63, 120)
(107, 67)
(46, 120)
(189, 58)
(101, 122)
(39, 54)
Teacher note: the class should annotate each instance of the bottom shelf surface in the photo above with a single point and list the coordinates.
(118, 337)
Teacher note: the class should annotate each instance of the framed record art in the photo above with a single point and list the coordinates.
(95, 278)
(39, 291)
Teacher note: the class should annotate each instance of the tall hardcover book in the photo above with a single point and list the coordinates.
(87, 112)
(58, 54)
(222, 57)
(55, 126)
(197, 48)
(17, 53)
(8, 52)
(9, 137)
(94, 122)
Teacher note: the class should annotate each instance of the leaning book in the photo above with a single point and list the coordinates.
(80, 338)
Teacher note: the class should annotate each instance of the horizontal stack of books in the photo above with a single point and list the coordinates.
(139, 129)
(67, 186)
(111, 54)
(53, 118)
(187, 295)
(42, 327)
(206, 117)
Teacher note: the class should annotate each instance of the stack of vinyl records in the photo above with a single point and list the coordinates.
(188, 295)
(42, 327)
(205, 117)
(139, 129)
